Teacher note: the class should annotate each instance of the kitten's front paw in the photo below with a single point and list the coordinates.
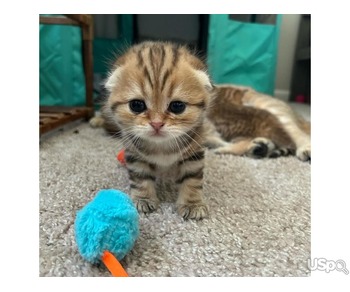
(146, 205)
(304, 153)
(193, 211)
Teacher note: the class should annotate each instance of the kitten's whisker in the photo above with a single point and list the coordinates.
(194, 132)
(192, 139)
(187, 145)
(183, 139)
(178, 146)
(127, 137)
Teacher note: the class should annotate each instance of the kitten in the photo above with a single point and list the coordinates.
(159, 93)
(166, 110)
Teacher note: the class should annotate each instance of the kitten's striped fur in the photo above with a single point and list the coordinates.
(159, 74)
(157, 139)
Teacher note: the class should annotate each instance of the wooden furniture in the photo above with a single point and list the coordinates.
(54, 117)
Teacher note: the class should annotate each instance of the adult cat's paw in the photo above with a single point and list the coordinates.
(193, 211)
(304, 152)
(260, 147)
(146, 205)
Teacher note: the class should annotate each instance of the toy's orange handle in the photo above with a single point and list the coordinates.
(121, 157)
(113, 265)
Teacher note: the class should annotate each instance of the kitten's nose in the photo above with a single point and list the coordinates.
(157, 125)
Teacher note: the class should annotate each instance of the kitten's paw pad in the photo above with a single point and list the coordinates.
(193, 211)
(304, 153)
(96, 122)
(146, 205)
(260, 147)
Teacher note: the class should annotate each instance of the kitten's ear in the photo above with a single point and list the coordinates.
(200, 71)
(204, 79)
(112, 80)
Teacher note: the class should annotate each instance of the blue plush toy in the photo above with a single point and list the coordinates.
(107, 226)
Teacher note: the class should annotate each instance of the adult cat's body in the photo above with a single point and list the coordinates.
(164, 107)
(242, 114)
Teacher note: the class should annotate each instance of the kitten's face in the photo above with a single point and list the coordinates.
(158, 92)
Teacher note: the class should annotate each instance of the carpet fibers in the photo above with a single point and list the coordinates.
(259, 221)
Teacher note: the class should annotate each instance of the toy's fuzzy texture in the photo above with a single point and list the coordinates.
(109, 222)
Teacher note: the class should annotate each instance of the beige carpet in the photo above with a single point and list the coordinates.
(259, 221)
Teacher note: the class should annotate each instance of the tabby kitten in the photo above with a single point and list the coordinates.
(158, 96)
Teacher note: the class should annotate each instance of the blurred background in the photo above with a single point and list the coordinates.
(268, 52)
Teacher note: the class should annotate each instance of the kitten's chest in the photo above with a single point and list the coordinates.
(163, 161)
(165, 173)
(165, 166)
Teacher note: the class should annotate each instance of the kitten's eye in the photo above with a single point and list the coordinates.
(137, 106)
(177, 107)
